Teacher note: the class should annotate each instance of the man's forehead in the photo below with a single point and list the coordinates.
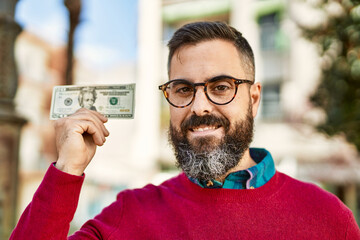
(213, 57)
(213, 43)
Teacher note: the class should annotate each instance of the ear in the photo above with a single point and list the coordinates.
(255, 96)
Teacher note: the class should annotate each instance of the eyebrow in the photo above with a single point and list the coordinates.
(175, 83)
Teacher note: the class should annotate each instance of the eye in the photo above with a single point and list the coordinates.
(221, 88)
(221, 85)
(181, 88)
(185, 89)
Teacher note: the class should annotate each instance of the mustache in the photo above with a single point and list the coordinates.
(196, 121)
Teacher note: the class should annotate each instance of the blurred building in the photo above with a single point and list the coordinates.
(137, 151)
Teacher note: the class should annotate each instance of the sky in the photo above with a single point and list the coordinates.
(106, 35)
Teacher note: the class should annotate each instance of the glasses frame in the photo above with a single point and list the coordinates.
(237, 82)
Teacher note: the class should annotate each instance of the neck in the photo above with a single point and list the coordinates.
(245, 162)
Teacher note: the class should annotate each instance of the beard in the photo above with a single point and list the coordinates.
(208, 158)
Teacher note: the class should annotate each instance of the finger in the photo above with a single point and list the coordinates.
(99, 119)
(95, 113)
(105, 131)
(103, 119)
(100, 124)
(88, 115)
(92, 129)
(100, 116)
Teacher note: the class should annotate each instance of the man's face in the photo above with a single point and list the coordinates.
(203, 124)
(88, 100)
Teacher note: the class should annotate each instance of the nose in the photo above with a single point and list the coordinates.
(201, 104)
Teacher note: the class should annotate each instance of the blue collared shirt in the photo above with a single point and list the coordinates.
(250, 178)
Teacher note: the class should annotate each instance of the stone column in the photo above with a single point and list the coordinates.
(10, 122)
(147, 116)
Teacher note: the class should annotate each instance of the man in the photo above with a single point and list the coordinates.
(227, 191)
(87, 98)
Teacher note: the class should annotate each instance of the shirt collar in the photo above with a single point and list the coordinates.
(250, 178)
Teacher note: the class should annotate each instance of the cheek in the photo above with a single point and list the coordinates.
(177, 116)
(236, 110)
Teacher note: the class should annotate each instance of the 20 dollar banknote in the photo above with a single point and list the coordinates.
(113, 101)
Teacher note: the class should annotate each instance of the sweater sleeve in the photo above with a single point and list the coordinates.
(353, 230)
(105, 224)
(52, 208)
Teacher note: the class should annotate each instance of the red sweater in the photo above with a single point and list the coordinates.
(284, 208)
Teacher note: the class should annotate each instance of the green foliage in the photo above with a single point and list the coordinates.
(338, 93)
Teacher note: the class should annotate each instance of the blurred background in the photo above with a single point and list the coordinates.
(307, 55)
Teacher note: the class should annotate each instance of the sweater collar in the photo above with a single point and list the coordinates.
(250, 178)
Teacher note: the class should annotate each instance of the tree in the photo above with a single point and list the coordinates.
(338, 41)
(74, 8)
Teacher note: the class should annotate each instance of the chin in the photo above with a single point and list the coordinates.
(204, 144)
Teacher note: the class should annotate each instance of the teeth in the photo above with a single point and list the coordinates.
(203, 129)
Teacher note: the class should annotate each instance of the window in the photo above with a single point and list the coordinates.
(269, 28)
(271, 109)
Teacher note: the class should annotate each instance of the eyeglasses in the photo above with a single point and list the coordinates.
(219, 90)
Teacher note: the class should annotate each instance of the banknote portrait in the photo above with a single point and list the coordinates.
(87, 98)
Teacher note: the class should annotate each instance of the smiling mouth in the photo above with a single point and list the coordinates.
(204, 128)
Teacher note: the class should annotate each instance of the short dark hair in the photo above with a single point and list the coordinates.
(193, 33)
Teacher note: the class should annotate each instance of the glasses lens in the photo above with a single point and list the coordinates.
(180, 93)
(221, 90)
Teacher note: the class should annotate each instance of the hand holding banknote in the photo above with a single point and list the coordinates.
(81, 112)
(76, 139)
